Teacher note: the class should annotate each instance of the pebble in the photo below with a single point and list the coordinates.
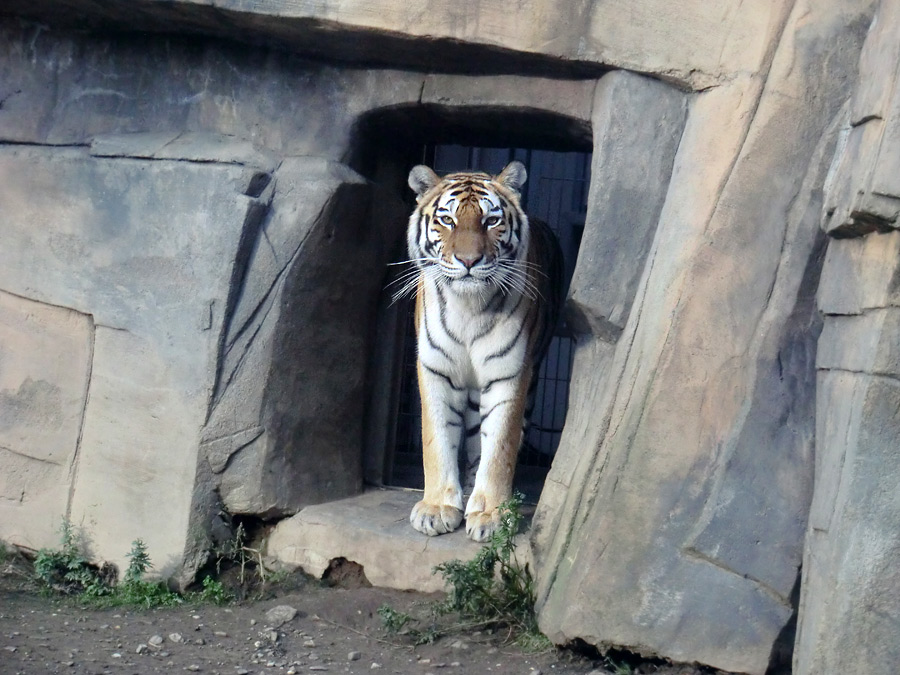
(220, 633)
(199, 641)
(279, 615)
(141, 648)
(375, 666)
(117, 655)
(455, 664)
(193, 667)
(176, 637)
(309, 644)
(252, 623)
(155, 641)
(459, 644)
(10, 649)
(354, 656)
(241, 671)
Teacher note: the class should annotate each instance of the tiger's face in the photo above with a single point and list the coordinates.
(468, 229)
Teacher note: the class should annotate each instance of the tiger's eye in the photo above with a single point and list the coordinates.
(447, 220)
(493, 220)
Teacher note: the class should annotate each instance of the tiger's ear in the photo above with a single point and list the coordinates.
(513, 176)
(422, 179)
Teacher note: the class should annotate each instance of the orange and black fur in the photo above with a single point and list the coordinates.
(488, 295)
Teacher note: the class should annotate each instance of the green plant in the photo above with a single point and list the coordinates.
(214, 592)
(134, 590)
(619, 668)
(397, 623)
(67, 571)
(138, 562)
(393, 621)
(493, 590)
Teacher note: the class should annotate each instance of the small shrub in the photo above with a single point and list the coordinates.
(393, 621)
(67, 571)
(493, 590)
(214, 592)
(134, 590)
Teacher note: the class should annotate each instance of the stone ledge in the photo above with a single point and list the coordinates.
(373, 530)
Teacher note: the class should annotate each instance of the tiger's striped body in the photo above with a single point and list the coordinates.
(487, 298)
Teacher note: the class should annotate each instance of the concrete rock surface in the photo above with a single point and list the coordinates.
(850, 607)
(193, 243)
(684, 524)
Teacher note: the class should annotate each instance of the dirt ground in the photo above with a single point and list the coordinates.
(335, 630)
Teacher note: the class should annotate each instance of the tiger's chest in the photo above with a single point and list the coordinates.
(475, 341)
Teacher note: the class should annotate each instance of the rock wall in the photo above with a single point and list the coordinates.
(684, 524)
(182, 215)
(852, 554)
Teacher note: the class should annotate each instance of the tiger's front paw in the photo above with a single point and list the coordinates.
(482, 517)
(435, 519)
(481, 525)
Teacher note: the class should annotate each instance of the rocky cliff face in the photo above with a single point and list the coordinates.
(196, 223)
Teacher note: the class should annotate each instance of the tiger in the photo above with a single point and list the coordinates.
(488, 294)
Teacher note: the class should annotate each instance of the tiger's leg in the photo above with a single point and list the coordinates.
(472, 440)
(502, 408)
(443, 411)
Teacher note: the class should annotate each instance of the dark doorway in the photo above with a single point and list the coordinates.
(556, 191)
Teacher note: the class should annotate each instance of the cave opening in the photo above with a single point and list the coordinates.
(557, 155)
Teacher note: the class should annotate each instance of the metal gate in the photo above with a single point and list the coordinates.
(555, 192)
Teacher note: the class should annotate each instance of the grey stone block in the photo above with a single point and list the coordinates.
(685, 43)
(860, 274)
(849, 604)
(632, 162)
(146, 249)
(285, 427)
(192, 99)
(684, 517)
(863, 193)
(45, 365)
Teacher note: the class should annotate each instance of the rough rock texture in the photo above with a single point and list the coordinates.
(850, 608)
(691, 42)
(371, 530)
(236, 369)
(684, 526)
(44, 371)
(192, 248)
(269, 429)
(63, 88)
(632, 158)
(149, 314)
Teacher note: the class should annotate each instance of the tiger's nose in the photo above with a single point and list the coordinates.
(468, 261)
